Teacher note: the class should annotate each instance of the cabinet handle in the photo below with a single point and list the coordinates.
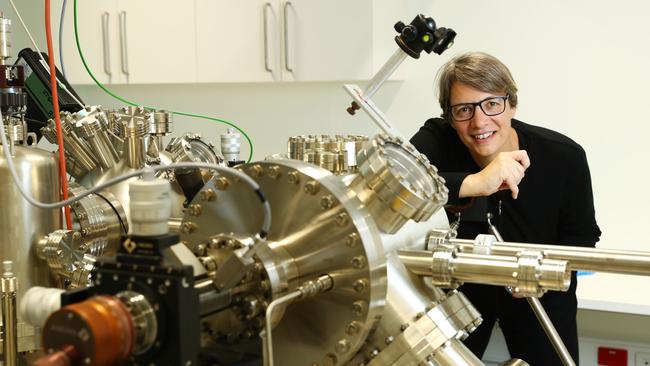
(106, 45)
(267, 57)
(125, 55)
(286, 36)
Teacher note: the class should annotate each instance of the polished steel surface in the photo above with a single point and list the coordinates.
(144, 320)
(319, 227)
(92, 125)
(397, 183)
(23, 225)
(5, 39)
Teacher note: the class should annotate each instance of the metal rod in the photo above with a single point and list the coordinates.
(579, 258)
(384, 73)
(269, 313)
(551, 333)
(9, 320)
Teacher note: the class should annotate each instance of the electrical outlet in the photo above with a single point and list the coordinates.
(642, 359)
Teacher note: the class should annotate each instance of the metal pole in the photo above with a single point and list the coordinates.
(550, 331)
(9, 320)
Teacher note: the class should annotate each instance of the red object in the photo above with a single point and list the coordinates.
(608, 356)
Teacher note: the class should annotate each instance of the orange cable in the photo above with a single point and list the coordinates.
(55, 105)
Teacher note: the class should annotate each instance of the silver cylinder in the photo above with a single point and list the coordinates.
(23, 225)
(230, 145)
(134, 153)
(91, 131)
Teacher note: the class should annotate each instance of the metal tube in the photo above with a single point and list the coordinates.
(384, 73)
(9, 319)
(269, 314)
(579, 258)
(551, 333)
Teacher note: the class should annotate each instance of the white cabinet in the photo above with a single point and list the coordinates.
(306, 40)
(131, 41)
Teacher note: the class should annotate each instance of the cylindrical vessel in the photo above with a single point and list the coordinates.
(22, 224)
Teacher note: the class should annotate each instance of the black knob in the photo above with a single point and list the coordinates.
(410, 33)
(399, 26)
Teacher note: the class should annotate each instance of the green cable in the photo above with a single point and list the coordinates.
(101, 86)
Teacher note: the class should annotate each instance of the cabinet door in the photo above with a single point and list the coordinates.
(327, 40)
(97, 29)
(237, 40)
(157, 42)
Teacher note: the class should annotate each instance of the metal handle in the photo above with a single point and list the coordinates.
(105, 40)
(267, 64)
(286, 36)
(125, 55)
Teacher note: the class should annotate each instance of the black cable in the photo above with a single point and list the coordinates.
(115, 210)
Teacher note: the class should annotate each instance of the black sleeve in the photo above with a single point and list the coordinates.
(432, 141)
(578, 225)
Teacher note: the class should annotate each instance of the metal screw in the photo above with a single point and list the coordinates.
(222, 183)
(274, 172)
(352, 240)
(374, 353)
(352, 328)
(389, 340)
(360, 285)
(293, 177)
(195, 209)
(256, 171)
(358, 308)
(403, 326)
(201, 249)
(330, 360)
(312, 187)
(342, 219)
(419, 315)
(358, 262)
(188, 227)
(208, 195)
(327, 202)
(342, 346)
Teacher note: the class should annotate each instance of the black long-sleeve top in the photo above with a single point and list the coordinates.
(555, 203)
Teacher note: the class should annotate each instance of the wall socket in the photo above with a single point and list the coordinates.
(642, 359)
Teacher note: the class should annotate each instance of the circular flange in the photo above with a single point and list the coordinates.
(319, 226)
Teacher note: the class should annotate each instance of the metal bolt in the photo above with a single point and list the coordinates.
(274, 172)
(389, 340)
(256, 171)
(360, 285)
(327, 202)
(342, 346)
(312, 187)
(352, 240)
(403, 326)
(342, 219)
(162, 289)
(358, 307)
(195, 209)
(188, 227)
(201, 249)
(330, 360)
(358, 262)
(293, 177)
(419, 315)
(208, 195)
(222, 183)
(353, 328)
(374, 353)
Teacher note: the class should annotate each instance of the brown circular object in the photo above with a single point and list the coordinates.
(100, 329)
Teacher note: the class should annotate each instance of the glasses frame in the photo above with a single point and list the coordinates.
(475, 104)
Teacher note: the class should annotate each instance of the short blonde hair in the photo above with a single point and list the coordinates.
(478, 70)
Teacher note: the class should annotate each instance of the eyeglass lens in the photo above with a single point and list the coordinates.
(490, 106)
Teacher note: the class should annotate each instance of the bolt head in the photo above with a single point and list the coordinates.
(208, 195)
(312, 187)
(222, 183)
(293, 177)
(274, 172)
(342, 346)
(342, 219)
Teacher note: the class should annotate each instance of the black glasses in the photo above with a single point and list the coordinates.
(491, 106)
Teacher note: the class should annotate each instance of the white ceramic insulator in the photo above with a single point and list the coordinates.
(38, 303)
(230, 145)
(150, 203)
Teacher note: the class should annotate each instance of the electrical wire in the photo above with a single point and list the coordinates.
(61, 23)
(63, 176)
(123, 100)
(245, 178)
(40, 54)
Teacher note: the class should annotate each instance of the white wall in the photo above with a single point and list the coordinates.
(581, 67)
